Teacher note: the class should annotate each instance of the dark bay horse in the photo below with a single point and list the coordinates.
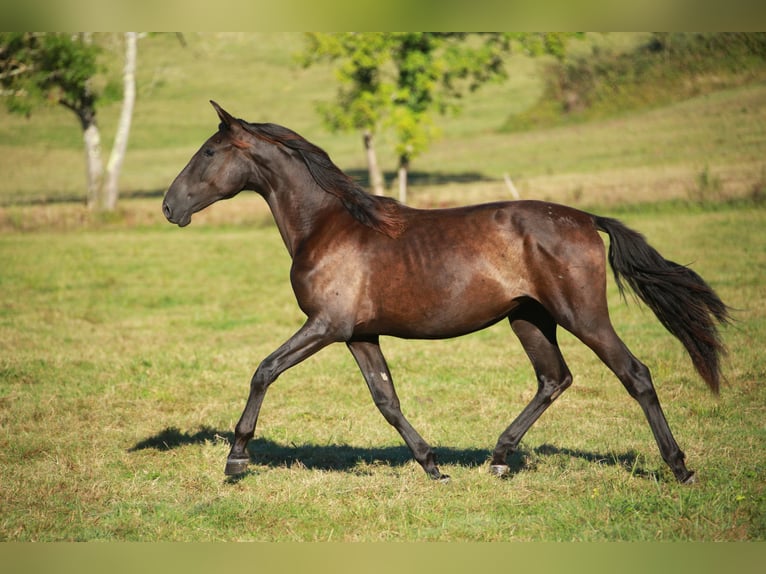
(365, 266)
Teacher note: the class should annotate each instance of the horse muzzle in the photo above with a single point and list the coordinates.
(180, 219)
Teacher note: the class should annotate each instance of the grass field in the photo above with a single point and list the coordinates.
(126, 353)
(127, 345)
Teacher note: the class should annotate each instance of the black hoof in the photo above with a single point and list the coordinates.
(235, 466)
(438, 476)
(690, 479)
(500, 470)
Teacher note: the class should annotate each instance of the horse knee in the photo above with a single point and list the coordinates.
(564, 384)
(389, 407)
(551, 388)
(262, 378)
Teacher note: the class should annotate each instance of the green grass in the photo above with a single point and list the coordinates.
(125, 353)
(127, 345)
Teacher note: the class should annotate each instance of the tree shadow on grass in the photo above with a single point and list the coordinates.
(344, 457)
(420, 177)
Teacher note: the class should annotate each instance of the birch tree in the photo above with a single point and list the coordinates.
(116, 158)
(38, 68)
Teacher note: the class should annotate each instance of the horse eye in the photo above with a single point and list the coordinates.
(208, 152)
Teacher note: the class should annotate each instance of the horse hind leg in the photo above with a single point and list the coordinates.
(637, 380)
(536, 330)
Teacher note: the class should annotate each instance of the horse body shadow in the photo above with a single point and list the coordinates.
(345, 457)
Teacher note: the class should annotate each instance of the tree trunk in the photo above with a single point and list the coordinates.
(116, 158)
(376, 178)
(404, 164)
(94, 165)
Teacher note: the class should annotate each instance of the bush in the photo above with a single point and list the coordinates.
(667, 68)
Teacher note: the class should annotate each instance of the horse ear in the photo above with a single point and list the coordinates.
(227, 119)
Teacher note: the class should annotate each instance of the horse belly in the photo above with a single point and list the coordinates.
(431, 307)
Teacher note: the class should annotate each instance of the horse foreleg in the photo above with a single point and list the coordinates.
(536, 330)
(375, 370)
(313, 336)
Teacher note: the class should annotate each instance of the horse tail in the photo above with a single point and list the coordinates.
(683, 302)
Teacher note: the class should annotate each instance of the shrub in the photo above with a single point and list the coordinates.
(667, 68)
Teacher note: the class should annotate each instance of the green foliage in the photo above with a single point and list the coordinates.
(665, 68)
(647, 155)
(36, 68)
(400, 80)
(363, 90)
(546, 43)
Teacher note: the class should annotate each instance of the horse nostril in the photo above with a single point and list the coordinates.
(166, 210)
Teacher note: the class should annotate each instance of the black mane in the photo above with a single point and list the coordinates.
(379, 213)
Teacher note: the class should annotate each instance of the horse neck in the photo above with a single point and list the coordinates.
(299, 206)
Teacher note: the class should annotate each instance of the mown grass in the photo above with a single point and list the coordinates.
(125, 357)
(126, 345)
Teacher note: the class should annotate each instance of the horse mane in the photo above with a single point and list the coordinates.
(382, 214)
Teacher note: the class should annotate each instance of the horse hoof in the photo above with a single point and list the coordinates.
(235, 466)
(691, 479)
(500, 470)
(439, 477)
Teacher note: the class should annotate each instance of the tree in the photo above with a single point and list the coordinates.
(399, 80)
(37, 68)
(363, 93)
(114, 166)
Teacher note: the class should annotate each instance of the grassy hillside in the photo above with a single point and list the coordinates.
(606, 75)
(642, 156)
